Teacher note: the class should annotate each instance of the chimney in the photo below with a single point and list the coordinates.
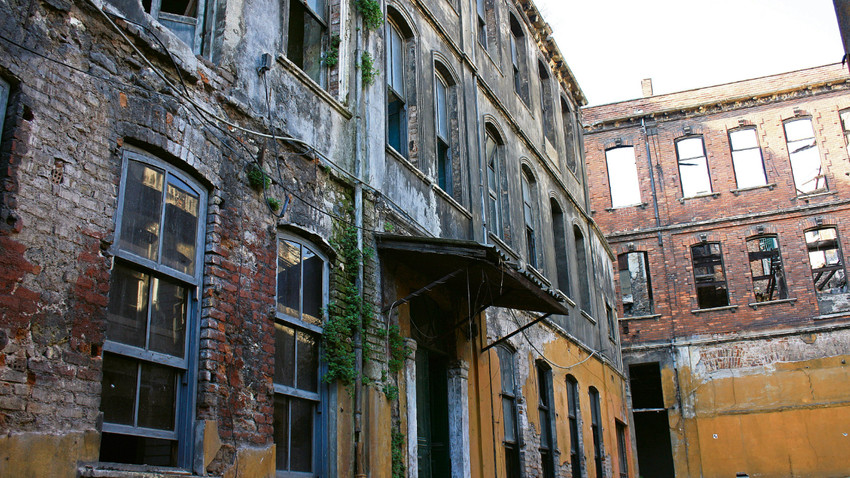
(646, 87)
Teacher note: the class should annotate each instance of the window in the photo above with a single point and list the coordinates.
(747, 159)
(845, 125)
(302, 278)
(496, 182)
(481, 7)
(621, 448)
(623, 176)
(635, 284)
(444, 153)
(568, 117)
(181, 17)
(518, 59)
(766, 268)
(509, 412)
(709, 275)
(612, 322)
(446, 108)
(152, 316)
(546, 102)
(826, 261)
(596, 429)
(559, 233)
(582, 264)
(805, 156)
(693, 166)
(545, 413)
(4, 99)
(573, 414)
(396, 88)
(529, 214)
(305, 35)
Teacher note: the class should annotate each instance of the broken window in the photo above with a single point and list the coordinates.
(582, 265)
(635, 284)
(693, 166)
(826, 261)
(596, 429)
(573, 414)
(845, 125)
(396, 44)
(305, 36)
(545, 413)
(623, 452)
(509, 412)
(546, 102)
(570, 153)
(559, 233)
(709, 275)
(766, 268)
(803, 150)
(612, 322)
(301, 293)
(152, 310)
(622, 176)
(529, 214)
(747, 159)
(496, 183)
(518, 59)
(183, 17)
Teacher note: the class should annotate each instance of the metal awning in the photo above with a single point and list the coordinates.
(462, 265)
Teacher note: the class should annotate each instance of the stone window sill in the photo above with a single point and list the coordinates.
(816, 194)
(641, 205)
(733, 308)
(448, 197)
(756, 305)
(769, 187)
(698, 196)
(588, 317)
(639, 317)
(314, 87)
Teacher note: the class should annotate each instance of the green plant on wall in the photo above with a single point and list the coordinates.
(257, 178)
(274, 204)
(368, 71)
(373, 17)
(331, 55)
(397, 445)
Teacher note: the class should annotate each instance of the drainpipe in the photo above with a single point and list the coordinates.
(359, 460)
(652, 180)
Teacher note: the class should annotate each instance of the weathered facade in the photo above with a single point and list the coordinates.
(726, 207)
(299, 238)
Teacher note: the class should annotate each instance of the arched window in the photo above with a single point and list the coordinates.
(582, 265)
(559, 234)
(509, 394)
(570, 152)
(596, 428)
(496, 182)
(530, 215)
(400, 80)
(746, 158)
(547, 108)
(546, 413)
(806, 166)
(518, 59)
(446, 106)
(693, 166)
(574, 415)
(622, 176)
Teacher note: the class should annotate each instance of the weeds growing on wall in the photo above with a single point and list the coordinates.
(373, 17)
(331, 55)
(368, 71)
(397, 445)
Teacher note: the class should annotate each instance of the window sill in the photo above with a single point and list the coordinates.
(451, 200)
(639, 317)
(588, 317)
(641, 205)
(756, 305)
(121, 470)
(314, 87)
(698, 196)
(408, 164)
(733, 308)
(834, 315)
(817, 194)
(538, 274)
(769, 187)
(503, 246)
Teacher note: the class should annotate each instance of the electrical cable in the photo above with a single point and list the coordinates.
(550, 362)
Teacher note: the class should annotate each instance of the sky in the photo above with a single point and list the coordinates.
(611, 45)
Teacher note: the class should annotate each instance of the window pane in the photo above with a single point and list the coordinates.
(749, 168)
(288, 278)
(308, 362)
(509, 419)
(623, 177)
(544, 428)
(442, 110)
(302, 427)
(312, 60)
(396, 124)
(142, 210)
(799, 129)
(695, 180)
(4, 98)
(506, 365)
(313, 291)
(181, 228)
(118, 395)
(168, 318)
(318, 7)
(127, 314)
(157, 396)
(766, 269)
(284, 355)
(743, 139)
(281, 431)
(395, 60)
(690, 148)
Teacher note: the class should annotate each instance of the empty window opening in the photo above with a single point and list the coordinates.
(623, 177)
(306, 35)
(582, 265)
(574, 416)
(826, 261)
(652, 428)
(635, 284)
(518, 59)
(709, 275)
(693, 166)
(766, 268)
(570, 153)
(559, 233)
(747, 158)
(803, 150)
(547, 107)
(509, 413)
(612, 322)
(623, 452)
(845, 124)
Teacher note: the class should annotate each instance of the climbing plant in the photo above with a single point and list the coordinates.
(373, 17)
(397, 445)
(368, 71)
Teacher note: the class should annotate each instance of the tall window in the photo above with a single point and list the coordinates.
(529, 214)
(446, 108)
(396, 88)
(444, 153)
(747, 159)
(582, 265)
(302, 277)
(483, 37)
(845, 125)
(709, 275)
(573, 414)
(693, 166)
(546, 415)
(826, 261)
(622, 450)
(612, 322)
(559, 233)
(622, 176)
(509, 412)
(305, 35)
(635, 284)
(547, 107)
(496, 185)
(766, 268)
(596, 429)
(4, 99)
(806, 166)
(570, 153)
(183, 17)
(518, 59)
(152, 316)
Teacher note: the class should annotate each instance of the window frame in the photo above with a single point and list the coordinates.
(322, 20)
(497, 189)
(5, 91)
(562, 248)
(703, 158)
(791, 158)
(569, 120)
(169, 20)
(519, 58)
(321, 397)
(508, 397)
(781, 282)
(621, 448)
(546, 414)
(713, 263)
(531, 214)
(583, 265)
(736, 162)
(634, 179)
(840, 267)
(547, 107)
(574, 419)
(845, 124)
(596, 429)
(186, 367)
(393, 94)
(624, 258)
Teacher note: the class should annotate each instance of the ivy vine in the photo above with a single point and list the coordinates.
(367, 69)
(397, 444)
(331, 55)
(373, 17)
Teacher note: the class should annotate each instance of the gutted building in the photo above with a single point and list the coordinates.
(727, 207)
(299, 238)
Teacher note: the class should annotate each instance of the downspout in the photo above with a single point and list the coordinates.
(359, 460)
(652, 180)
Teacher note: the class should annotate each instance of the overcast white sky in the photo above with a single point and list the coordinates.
(610, 45)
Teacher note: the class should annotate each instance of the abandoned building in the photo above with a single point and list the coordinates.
(300, 238)
(727, 209)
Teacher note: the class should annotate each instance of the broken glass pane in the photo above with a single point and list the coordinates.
(805, 156)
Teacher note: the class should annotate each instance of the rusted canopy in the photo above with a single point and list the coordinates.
(492, 280)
